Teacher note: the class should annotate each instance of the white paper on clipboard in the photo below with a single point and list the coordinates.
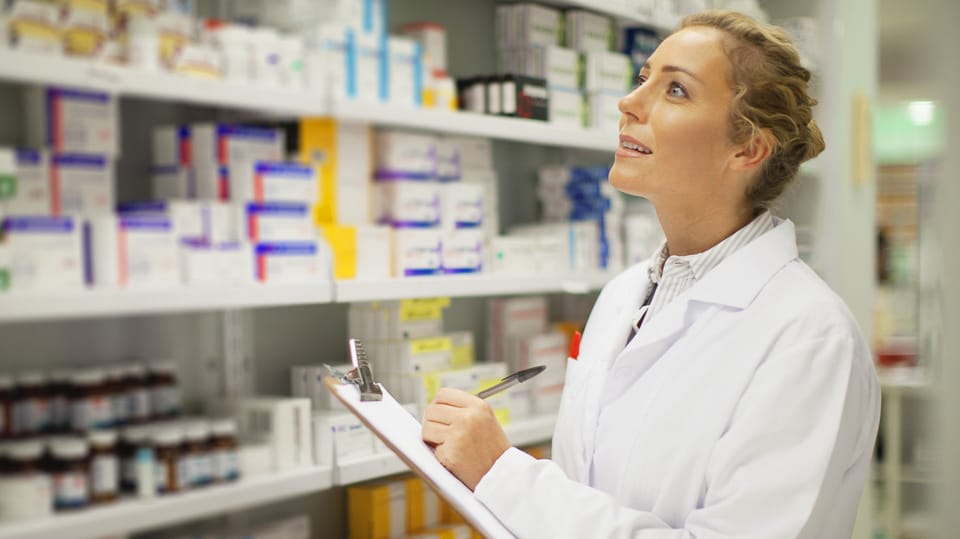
(401, 432)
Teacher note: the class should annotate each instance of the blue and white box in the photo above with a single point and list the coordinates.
(196, 221)
(136, 251)
(330, 60)
(405, 155)
(370, 67)
(274, 181)
(417, 252)
(32, 196)
(292, 262)
(45, 253)
(449, 168)
(278, 222)
(223, 144)
(173, 182)
(461, 205)
(219, 264)
(81, 184)
(402, 83)
(462, 251)
(409, 204)
(70, 120)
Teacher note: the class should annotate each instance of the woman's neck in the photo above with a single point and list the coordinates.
(695, 231)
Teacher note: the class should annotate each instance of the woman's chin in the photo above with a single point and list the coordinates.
(631, 184)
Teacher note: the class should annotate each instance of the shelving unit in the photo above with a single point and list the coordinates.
(140, 515)
(23, 307)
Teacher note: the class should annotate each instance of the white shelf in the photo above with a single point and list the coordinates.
(156, 85)
(17, 306)
(481, 125)
(523, 432)
(138, 515)
(618, 10)
(467, 286)
(163, 86)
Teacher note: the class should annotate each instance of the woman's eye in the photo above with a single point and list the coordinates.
(641, 79)
(677, 91)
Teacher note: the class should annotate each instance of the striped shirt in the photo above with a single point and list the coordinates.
(673, 275)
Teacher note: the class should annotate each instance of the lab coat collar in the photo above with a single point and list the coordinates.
(737, 280)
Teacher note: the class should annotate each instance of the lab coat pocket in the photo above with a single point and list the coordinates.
(574, 381)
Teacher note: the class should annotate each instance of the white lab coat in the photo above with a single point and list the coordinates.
(748, 407)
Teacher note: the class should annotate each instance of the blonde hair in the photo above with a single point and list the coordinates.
(770, 92)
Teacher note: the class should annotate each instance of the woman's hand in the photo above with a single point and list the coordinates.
(465, 435)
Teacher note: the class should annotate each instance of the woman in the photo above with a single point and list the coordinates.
(741, 399)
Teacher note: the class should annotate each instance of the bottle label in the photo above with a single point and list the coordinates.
(225, 464)
(31, 416)
(138, 404)
(60, 413)
(103, 471)
(165, 401)
(91, 413)
(183, 473)
(120, 410)
(70, 489)
(162, 474)
(201, 469)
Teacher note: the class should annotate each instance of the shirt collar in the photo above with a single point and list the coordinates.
(700, 263)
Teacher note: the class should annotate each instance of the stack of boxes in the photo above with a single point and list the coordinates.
(435, 206)
(585, 79)
(252, 207)
(50, 190)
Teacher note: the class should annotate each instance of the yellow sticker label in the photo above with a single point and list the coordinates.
(422, 309)
(462, 357)
(432, 345)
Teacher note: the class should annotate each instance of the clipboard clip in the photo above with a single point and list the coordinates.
(361, 375)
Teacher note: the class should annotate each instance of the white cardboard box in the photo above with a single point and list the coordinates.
(273, 181)
(32, 170)
(45, 253)
(339, 436)
(223, 144)
(292, 262)
(417, 251)
(81, 184)
(134, 251)
(462, 251)
(284, 423)
(68, 120)
(278, 222)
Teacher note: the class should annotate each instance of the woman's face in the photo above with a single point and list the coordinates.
(674, 127)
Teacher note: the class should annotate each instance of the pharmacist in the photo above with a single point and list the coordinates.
(743, 402)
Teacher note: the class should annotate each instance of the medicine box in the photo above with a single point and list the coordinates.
(330, 60)
(559, 67)
(528, 24)
(68, 120)
(173, 182)
(529, 96)
(396, 320)
(135, 251)
(378, 509)
(36, 25)
(417, 252)
(473, 152)
(566, 108)
(603, 111)
(402, 83)
(448, 160)
(222, 144)
(341, 153)
(8, 176)
(201, 222)
(462, 251)
(307, 381)
(513, 317)
(291, 262)
(278, 222)
(359, 252)
(81, 184)
(609, 72)
(407, 203)
(273, 181)
(369, 59)
(339, 436)
(283, 423)
(32, 194)
(216, 264)
(404, 155)
(45, 253)
(588, 32)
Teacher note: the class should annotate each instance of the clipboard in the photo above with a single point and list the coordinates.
(401, 432)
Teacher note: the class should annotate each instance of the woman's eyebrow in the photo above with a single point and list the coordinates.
(673, 69)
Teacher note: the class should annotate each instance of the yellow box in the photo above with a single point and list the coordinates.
(342, 154)
(377, 510)
(343, 244)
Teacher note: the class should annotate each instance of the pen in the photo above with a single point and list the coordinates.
(512, 380)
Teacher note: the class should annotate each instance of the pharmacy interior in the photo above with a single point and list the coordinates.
(202, 201)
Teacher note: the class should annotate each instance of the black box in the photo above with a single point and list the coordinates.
(524, 97)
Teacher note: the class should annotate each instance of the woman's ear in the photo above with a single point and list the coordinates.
(755, 151)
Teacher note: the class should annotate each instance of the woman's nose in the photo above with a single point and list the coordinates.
(634, 104)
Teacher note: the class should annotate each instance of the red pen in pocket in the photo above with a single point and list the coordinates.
(575, 345)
